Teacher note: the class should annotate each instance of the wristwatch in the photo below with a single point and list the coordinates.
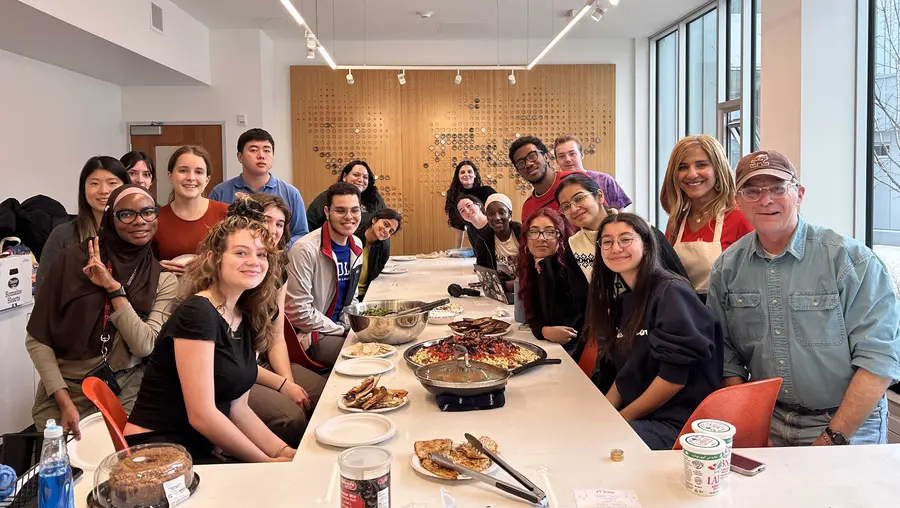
(836, 437)
(118, 292)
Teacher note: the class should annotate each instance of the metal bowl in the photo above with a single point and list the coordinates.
(454, 377)
(387, 329)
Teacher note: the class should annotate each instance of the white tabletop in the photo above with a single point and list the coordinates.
(556, 428)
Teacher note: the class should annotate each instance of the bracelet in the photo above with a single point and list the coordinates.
(282, 385)
(278, 453)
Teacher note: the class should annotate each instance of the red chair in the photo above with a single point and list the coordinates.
(747, 406)
(296, 353)
(110, 407)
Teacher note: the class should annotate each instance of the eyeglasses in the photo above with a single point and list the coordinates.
(577, 200)
(624, 242)
(128, 216)
(347, 211)
(753, 194)
(531, 157)
(549, 234)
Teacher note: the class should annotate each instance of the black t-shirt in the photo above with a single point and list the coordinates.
(160, 403)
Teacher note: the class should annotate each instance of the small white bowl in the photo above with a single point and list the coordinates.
(442, 317)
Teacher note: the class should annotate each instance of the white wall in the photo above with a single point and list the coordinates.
(184, 45)
(54, 120)
(236, 88)
(620, 52)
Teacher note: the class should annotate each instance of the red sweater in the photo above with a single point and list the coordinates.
(176, 236)
(548, 200)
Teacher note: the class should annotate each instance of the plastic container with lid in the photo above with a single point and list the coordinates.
(365, 477)
(722, 430)
(703, 457)
(157, 475)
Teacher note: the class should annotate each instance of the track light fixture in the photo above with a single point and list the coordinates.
(310, 45)
(512, 77)
(597, 15)
(402, 77)
(614, 2)
(458, 78)
(350, 79)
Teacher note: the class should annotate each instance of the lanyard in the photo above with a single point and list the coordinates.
(107, 310)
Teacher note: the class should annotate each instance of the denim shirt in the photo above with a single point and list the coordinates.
(225, 191)
(812, 315)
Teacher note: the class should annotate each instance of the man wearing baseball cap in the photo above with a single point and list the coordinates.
(804, 303)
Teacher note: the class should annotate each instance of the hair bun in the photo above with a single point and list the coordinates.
(245, 206)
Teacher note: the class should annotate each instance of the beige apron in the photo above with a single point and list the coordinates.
(698, 257)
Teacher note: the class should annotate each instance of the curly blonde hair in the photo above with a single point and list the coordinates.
(204, 274)
(673, 199)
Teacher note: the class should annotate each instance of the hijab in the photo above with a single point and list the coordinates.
(68, 311)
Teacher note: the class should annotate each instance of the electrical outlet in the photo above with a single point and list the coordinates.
(242, 119)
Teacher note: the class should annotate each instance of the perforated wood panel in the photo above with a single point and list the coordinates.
(413, 135)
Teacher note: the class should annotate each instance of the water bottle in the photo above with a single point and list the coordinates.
(55, 487)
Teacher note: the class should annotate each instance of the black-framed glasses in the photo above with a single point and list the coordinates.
(549, 234)
(531, 157)
(127, 215)
(577, 200)
(624, 242)
(753, 194)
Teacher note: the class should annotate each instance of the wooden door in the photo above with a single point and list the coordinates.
(169, 139)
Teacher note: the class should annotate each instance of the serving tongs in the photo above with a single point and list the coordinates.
(422, 308)
(531, 493)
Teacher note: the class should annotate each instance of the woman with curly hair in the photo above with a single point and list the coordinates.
(466, 181)
(543, 286)
(359, 174)
(198, 380)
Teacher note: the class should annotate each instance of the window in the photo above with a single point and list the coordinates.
(885, 124)
(705, 76)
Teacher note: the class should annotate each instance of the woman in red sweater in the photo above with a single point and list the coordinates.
(184, 222)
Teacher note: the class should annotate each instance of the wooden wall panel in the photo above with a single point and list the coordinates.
(413, 135)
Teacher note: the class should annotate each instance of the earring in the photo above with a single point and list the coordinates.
(718, 186)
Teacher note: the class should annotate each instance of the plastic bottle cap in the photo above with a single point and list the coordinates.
(617, 455)
(52, 430)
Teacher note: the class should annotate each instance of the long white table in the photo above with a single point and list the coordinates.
(556, 428)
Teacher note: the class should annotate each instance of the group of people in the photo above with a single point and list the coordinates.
(738, 287)
(183, 310)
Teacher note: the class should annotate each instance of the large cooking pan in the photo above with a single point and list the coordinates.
(412, 350)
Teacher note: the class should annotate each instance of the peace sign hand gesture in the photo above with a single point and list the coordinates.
(96, 271)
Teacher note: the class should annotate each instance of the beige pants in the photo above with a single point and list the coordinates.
(45, 405)
(282, 415)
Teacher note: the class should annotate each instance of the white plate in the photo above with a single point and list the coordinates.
(403, 258)
(95, 444)
(363, 367)
(357, 429)
(346, 352)
(393, 270)
(417, 465)
(342, 404)
(443, 317)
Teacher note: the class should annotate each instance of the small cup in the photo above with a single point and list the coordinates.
(703, 456)
(722, 430)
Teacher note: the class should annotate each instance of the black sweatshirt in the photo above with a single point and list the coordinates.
(551, 301)
(482, 241)
(681, 342)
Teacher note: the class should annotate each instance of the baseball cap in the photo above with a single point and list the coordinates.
(764, 162)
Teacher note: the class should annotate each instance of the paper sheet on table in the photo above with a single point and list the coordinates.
(599, 498)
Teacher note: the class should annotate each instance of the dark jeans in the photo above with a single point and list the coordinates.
(658, 435)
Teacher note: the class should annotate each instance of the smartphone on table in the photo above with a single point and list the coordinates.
(745, 465)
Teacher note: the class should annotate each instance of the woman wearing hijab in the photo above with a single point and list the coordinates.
(109, 299)
(494, 235)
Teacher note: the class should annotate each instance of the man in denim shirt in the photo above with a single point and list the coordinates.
(803, 303)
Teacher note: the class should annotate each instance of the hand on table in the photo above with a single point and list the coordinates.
(297, 394)
(559, 334)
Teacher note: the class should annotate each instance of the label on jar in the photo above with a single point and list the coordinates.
(375, 493)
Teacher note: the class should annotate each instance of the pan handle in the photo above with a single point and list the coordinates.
(536, 363)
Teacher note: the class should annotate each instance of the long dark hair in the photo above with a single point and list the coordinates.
(603, 313)
(368, 197)
(270, 201)
(389, 214)
(85, 225)
(525, 271)
(133, 157)
(456, 190)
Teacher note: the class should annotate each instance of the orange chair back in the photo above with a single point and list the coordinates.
(747, 406)
(110, 407)
(296, 353)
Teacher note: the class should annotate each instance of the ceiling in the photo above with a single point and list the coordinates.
(451, 20)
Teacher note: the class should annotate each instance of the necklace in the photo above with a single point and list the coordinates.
(699, 218)
(229, 322)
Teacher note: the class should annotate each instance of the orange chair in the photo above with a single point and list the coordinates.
(296, 353)
(110, 407)
(747, 406)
